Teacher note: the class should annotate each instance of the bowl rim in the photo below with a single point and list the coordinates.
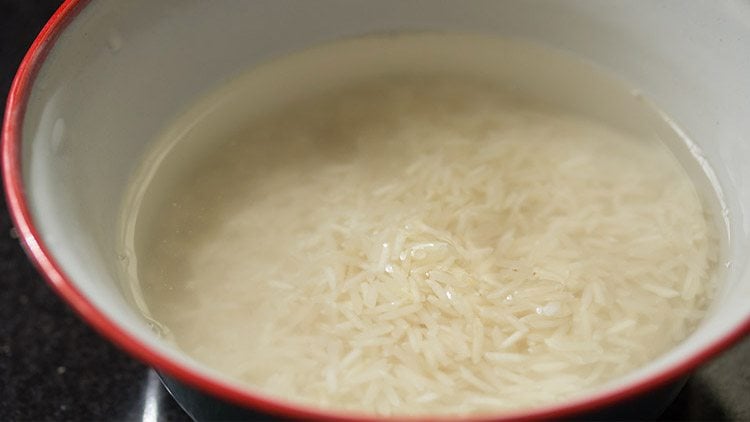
(46, 263)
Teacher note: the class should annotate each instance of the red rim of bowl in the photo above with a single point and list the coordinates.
(45, 262)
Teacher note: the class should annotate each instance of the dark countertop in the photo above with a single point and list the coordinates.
(54, 367)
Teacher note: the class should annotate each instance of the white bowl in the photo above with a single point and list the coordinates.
(104, 76)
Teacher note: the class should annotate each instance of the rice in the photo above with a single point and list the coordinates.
(427, 245)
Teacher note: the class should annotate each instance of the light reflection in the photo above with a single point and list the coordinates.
(151, 397)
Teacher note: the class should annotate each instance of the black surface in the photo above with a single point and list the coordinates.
(54, 367)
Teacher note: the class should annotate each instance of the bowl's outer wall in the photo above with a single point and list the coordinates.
(203, 407)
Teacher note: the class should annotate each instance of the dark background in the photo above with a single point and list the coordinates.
(54, 367)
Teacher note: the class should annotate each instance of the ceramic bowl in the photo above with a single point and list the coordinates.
(104, 76)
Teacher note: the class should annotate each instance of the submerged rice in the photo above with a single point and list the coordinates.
(429, 246)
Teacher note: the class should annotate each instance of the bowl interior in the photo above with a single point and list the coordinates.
(120, 70)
